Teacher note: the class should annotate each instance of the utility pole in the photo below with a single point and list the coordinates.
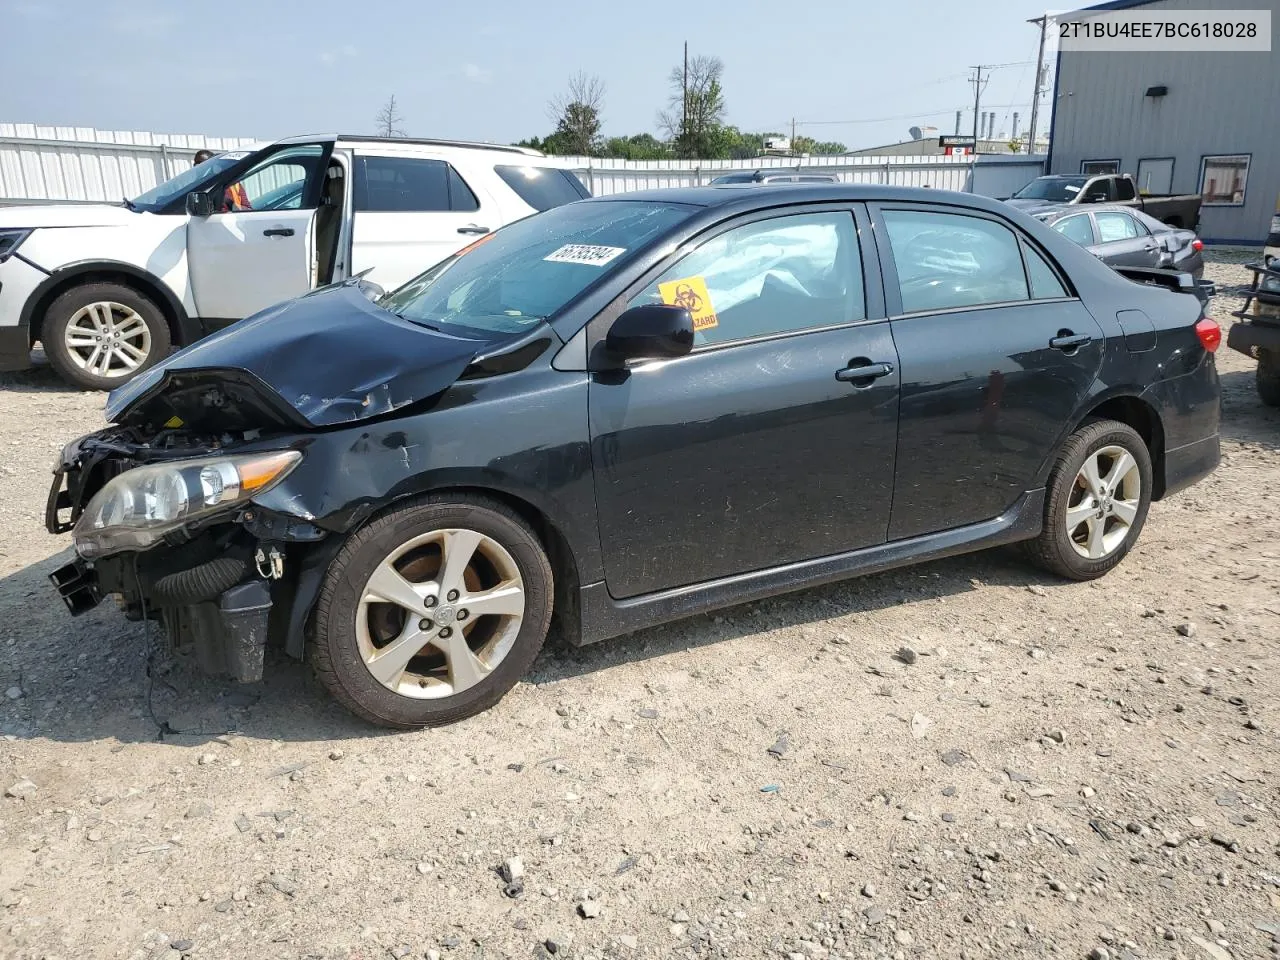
(793, 134)
(684, 95)
(977, 100)
(1035, 99)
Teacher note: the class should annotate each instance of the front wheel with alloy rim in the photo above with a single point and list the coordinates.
(100, 335)
(432, 612)
(1099, 493)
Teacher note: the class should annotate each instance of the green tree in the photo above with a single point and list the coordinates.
(695, 111)
(576, 114)
(639, 146)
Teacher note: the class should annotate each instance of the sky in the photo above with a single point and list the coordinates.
(859, 73)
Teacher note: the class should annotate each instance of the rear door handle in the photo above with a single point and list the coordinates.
(278, 232)
(1067, 341)
(472, 228)
(864, 371)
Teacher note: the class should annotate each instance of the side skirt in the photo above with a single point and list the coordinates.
(603, 617)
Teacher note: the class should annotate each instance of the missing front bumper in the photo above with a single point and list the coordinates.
(226, 634)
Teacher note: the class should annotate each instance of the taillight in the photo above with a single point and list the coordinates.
(1197, 245)
(1210, 334)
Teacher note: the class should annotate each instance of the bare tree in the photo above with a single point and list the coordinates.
(388, 119)
(576, 114)
(695, 112)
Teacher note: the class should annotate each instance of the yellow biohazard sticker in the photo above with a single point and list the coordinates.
(173, 423)
(691, 293)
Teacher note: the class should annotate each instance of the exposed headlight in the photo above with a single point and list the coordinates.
(10, 240)
(136, 509)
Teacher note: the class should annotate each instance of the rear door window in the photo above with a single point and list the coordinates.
(1116, 226)
(947, 260)
(1124, 189)
(542, 187)
(1045, 284)
(410, 184)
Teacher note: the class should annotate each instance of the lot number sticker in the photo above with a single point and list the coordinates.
(691, 293)
(585, 253)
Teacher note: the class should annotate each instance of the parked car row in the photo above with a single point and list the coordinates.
(780, 386)
(1045, 193)
(109, 289)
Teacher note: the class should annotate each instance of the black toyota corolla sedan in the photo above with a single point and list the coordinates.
(625, 411)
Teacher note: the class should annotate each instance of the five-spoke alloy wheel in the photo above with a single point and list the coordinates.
(1099, 492)
(432, 612)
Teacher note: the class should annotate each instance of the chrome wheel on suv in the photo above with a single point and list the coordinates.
(100, 335)
(108, 339)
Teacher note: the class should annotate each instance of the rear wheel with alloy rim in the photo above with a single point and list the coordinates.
(101, 335)
(432, 612)
(1098, 497)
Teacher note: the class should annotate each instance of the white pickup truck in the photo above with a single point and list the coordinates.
(109, 289)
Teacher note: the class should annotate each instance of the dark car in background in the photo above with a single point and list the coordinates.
(629, 410)
(1121, 237)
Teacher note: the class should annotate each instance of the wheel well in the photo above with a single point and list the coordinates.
(105, 275)
(1144, 419)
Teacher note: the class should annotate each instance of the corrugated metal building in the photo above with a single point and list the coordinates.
(1214, 131)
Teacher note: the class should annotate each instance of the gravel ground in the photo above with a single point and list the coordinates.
(1078, 770)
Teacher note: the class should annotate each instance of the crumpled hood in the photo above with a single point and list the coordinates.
(66, 215)
(328, 358)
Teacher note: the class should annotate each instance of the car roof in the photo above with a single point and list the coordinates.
(751, 196)
(411, 142)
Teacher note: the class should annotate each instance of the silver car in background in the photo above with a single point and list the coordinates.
(1123, 237)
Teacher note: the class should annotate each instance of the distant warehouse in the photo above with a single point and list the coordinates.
(1180, 121)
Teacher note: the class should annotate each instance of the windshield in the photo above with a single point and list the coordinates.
(161, 196)
(1052, 188)
(527, 271)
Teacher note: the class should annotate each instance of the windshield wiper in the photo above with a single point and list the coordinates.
(130, 205)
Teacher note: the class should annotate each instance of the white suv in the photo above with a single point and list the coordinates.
(109, 289)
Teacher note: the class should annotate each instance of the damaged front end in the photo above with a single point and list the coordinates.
(166, 525)
(199, 509)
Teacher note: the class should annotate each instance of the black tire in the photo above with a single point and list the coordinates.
(1054, 549)
(60, 313)
(335, 650)
(1268, 377)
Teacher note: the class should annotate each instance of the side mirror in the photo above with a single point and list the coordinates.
(653, 331)
(200, 204)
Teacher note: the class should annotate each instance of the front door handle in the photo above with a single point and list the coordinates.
(863, 370)
(278, 232)
(1067, 342)
(472, 228)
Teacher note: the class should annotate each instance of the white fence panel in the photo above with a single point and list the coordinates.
(82, 164)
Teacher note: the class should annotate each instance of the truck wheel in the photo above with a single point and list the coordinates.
(432, 612)
(1098, 496)
(1269, 377)
(100, 335)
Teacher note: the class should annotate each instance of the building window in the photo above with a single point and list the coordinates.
(1222, 180)
(1099, 168)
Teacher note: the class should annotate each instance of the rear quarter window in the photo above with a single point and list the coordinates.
(542, 187)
